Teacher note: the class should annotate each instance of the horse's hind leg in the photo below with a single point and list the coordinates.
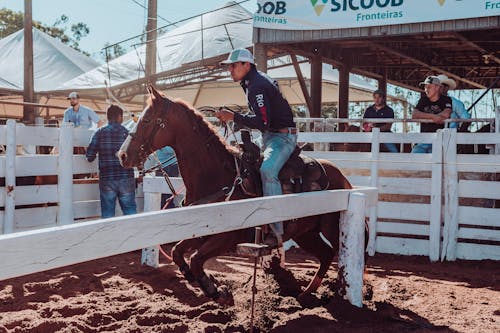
(312, 243)
(178, 252)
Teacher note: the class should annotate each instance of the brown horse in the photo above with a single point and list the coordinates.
(207, 165)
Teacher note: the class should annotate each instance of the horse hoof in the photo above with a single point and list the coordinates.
(225, 297)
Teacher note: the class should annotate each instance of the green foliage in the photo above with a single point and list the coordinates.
(11, 21)
(112, 52)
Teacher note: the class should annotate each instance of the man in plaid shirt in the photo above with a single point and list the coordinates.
(114, 180)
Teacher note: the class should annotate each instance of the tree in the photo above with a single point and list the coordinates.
(11, 21)
(112, 52)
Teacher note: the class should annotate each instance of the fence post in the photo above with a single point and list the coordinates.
(497, 128)
(450, 181)
(436, 191)
(372, 226)
(150, 255)
(10, 177)
(65, 213)
(352, 249)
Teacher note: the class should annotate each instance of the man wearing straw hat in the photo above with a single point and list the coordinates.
(458, 108)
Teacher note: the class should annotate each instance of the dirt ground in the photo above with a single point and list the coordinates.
(116, 294)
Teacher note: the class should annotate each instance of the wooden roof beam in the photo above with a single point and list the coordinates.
(489, 56)
(424, 64)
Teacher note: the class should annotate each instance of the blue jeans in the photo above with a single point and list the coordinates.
(391, 147)
(124, 190)
(422, 148)
(277, 148)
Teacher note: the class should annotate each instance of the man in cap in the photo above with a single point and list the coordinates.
(458, 110)
(433, 106)
(80, 115)
(380, 109)
(272, 116)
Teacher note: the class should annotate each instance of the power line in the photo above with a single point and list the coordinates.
(146, 8)
(180, 21)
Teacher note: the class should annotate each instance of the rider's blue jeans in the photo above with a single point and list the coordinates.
(123, 190)
(277, 148)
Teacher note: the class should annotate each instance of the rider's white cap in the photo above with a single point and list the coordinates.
(239, 55)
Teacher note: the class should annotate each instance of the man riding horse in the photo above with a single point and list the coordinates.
(272, 116)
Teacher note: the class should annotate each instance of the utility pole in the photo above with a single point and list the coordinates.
(151, 40)
(29, 89)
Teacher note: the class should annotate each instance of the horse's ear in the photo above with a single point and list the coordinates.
(153, 93)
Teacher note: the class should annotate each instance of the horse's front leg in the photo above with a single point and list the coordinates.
(178, 252)
(214, 246)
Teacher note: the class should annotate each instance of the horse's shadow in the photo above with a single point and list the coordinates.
(385, 318)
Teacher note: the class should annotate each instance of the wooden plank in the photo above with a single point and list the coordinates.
(36, 194)
(477, 251)
(83, 192)
(10, 178)
(359, 180)
(159, 185)
(407, 137)
(65, 214)
(71, 244)
(35, 218)
(479, 234)
(34, 165)
(81, 137)
(34, 135)
(478, 189)
(479, 216)
(402, 246)
(478, 138)
(478, 163)
(407, 186)
(402, 228)
(374, 180)
(81, 165)
(88, 209)
(404, 211)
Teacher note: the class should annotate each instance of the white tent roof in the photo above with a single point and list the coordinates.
(207, 36)
(53, 62)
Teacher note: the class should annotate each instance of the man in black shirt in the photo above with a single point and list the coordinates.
(272, 116)
(380, 110)
(433, 106)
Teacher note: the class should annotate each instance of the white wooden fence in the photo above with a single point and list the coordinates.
(423, 207)
(56, 204)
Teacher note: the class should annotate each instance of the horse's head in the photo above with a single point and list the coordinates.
(152, 131)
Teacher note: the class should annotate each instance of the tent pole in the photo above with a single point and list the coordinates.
(29, 89)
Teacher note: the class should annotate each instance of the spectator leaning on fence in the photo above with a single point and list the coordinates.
(80, 115)
(433, 106)
(380, 109)
(458, 110)
(115, 182)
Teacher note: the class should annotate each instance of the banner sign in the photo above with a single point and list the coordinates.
(337, 14)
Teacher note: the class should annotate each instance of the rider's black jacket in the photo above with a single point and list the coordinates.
(271, 109)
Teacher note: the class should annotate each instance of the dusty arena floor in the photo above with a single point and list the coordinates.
(116, 294)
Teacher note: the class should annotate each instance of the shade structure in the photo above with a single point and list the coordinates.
(53, 62)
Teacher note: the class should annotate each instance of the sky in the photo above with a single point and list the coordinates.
(111, 21)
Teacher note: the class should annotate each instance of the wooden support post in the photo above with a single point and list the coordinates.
(29, 85)
(260, 56)
(352, 249)
(436, 191)
(382, 82)
(316, 86)
(151, 34)
(450, 230)
(372, 227)
(151, 255)
(302, 82)
(344, 92)
(10, 178)
(65, 175)
(497, 128)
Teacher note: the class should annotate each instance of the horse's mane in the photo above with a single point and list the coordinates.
(205, 128)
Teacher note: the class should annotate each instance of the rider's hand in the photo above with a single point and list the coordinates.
(224, 115)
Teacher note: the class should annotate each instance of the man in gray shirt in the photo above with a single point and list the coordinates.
(79, 115)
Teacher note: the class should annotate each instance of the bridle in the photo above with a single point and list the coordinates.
(146, 148)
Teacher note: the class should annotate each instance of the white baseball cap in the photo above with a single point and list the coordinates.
(73, 94)
(239, 55)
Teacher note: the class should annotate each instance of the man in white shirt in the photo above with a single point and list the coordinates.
(79, 115)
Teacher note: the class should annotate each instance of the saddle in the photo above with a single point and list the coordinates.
(299, 174)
